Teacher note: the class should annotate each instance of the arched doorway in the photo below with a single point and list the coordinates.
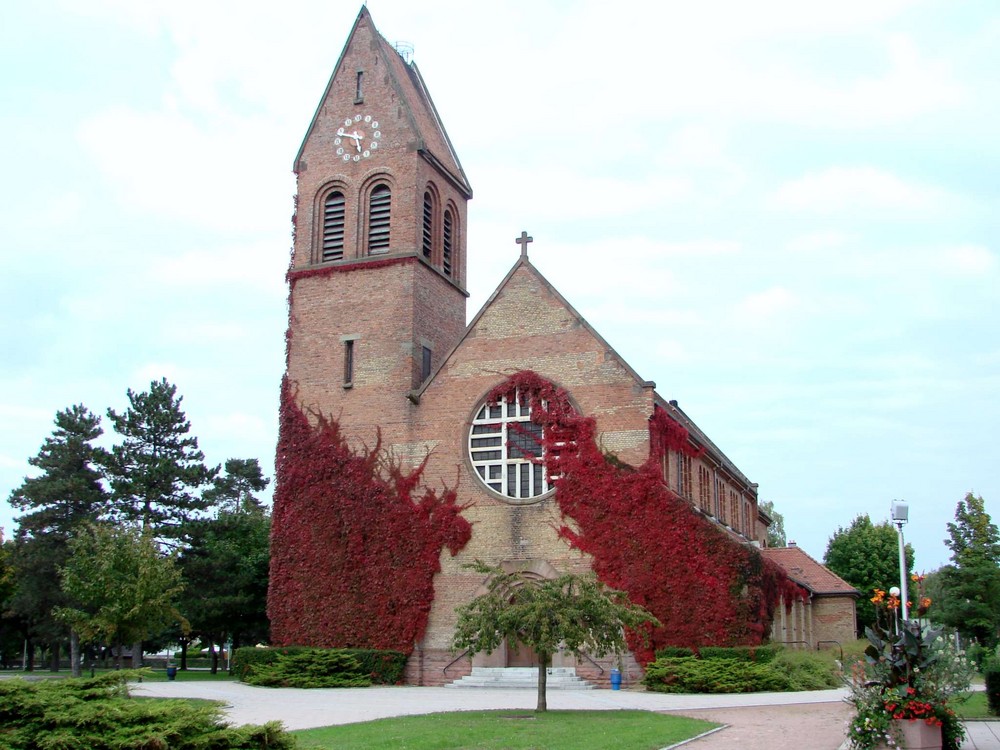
(517, 654)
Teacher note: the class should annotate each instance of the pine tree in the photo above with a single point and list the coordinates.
(156, 470)
(233, 491)
(67, 495)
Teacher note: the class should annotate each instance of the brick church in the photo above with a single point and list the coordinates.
(379, 347)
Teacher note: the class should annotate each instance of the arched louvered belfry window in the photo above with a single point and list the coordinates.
(448, 242)
(427, 244)
(333, 227)
(379, 204)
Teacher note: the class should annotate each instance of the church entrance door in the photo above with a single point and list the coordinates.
(519, 655)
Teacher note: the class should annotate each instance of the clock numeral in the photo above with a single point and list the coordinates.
(357, 118)
(357, 158)
(377, 134)
(366, 153)
(347, 157)
(374, 146)
(348, 121)
(368, 118)
(340, 151)
(375, 124)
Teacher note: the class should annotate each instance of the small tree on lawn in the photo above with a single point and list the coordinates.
(574, 613)
(121, 587)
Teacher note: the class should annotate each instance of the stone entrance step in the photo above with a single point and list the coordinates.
(559, 678)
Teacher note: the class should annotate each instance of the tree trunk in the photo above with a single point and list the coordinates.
(29, 655)
(543, 671)
(74, 654)
(184, 654)
(215, 657)
(120, 656)
(55, 647)
(137, 655)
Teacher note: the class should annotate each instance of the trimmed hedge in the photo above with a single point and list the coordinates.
(328, 668)
(718, 675)
(382, 667)
(755, 654)
(775, 670)
(378, 667)
(98, 714)
(992, 678)
(674, 652)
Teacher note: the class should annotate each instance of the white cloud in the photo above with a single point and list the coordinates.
(260, 265)
(969, 260)
(767, 305)
(173, 166)
(857, 189)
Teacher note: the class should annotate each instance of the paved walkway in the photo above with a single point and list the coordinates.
(813, 720)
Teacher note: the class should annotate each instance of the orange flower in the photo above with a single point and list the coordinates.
(879, 596)
(925, 602)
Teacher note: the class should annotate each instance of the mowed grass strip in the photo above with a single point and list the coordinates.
(510, 730)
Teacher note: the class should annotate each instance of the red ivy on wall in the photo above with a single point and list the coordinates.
(355, 544)
(705, 587)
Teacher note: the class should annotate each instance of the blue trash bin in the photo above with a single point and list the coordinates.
(616, 679)
(171, 673)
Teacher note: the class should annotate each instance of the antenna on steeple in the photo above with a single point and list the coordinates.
(405, 50)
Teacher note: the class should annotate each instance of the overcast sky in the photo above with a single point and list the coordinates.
(783, 213)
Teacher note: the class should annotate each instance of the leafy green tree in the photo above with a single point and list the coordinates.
(157, 469)
(574, 613)
(966, 594)
(225, 567)
(866, 555)
(11, 625)
(234, 491)
(776, 531)
(973, 538)
(67, 494)
(121, 587)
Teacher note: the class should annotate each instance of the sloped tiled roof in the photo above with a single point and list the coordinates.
(805, 571)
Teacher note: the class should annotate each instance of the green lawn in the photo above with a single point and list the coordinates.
(190, 675)
(974, 706)
(510, 730)
(151, 675)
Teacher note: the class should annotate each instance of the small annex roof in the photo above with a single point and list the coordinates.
(809, 573)
(433, 141)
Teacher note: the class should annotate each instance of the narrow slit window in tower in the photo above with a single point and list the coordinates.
(359, 95)
(348, 362)
(425, 363)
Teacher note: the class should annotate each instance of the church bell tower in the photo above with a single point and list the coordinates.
(378, 272)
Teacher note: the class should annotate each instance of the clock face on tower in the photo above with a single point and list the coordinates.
(357, 138)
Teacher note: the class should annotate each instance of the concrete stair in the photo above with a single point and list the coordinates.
(559, 678)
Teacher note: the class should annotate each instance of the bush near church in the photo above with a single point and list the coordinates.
(739, 670)
(303, 667)
(99, 714)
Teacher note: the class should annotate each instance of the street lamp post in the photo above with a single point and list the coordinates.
(900, 514)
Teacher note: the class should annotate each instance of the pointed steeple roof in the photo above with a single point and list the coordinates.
(432, 140)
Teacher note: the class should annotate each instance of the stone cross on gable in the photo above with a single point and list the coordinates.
(523, 241)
